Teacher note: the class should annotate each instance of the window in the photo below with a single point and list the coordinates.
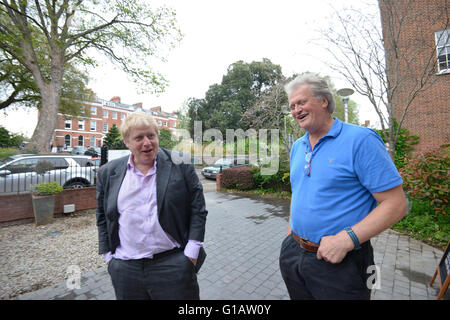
(68, 124)
(443, 50)
(105, 127)
(93, 111)
(80, 140)
(80, 124)
(122, 116)
(159, 122)
(67, 140)
(93, 126)
(105, 114)
(114, 115)
(165, 123)
(92, 141)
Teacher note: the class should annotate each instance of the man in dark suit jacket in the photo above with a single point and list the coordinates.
(151, 218)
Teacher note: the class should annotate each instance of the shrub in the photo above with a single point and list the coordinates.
(425, 177)
(240, 178)
(276, 182)
(423, 223)
(47, 188)
(404, 144)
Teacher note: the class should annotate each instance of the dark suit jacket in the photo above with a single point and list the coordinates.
(181, 204)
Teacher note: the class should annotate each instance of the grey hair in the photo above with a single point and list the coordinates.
(319, 88)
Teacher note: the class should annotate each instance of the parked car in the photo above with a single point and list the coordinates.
(78, 150)
(18, 173)
(93, 152)
(222, 164)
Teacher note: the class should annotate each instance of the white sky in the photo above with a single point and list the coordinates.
(217, 34)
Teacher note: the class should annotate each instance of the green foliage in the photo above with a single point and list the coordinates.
(166, 139)
(225, 103)
(425, 177)
(8, 139)
(404, 145)
(113, 139)
(276, 182)
(47, 188)
(7, 152)
(423, 223)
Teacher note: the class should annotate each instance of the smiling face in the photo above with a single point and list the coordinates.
(143, 143)
(310, 113)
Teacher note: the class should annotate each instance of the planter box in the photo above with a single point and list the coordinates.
(43, 207)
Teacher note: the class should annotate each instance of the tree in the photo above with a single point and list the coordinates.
(166, 139)
(373, 60)
(19, 89)
(113, 139)
(8, 139)
(45, 37)
(225, 103)
(271, 111)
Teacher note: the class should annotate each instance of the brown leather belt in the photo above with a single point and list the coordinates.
(306, 244)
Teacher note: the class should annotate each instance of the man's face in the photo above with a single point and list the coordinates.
(143, 144)
(309, 112)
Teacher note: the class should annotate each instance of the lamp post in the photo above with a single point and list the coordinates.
(288, 137)
(345, 93)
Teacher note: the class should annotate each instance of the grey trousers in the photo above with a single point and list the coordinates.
(168, 276)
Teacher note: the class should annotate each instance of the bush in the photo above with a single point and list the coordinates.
(47, 188)
(423, 223)
(240, 178)
(425, 178)
(276, 182)
(404, 144)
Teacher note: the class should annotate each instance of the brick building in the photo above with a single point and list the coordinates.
(89, 132)
(423, 53)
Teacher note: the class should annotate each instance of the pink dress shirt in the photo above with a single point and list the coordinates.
(141, 235)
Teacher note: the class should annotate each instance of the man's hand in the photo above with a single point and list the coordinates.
(194, 261)
(333, 249)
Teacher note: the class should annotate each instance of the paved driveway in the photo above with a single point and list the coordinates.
(243, 238)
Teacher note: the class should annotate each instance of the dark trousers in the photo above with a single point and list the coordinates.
(307, 277)
(168, 276)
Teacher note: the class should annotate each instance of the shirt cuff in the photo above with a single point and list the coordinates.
(108, 256)
(192, 249)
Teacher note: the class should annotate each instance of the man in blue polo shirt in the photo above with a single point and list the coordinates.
(339, 172)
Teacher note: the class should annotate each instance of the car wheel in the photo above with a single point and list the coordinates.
(75, 185)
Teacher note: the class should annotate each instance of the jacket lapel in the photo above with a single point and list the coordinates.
(115, 182)
(163, 168)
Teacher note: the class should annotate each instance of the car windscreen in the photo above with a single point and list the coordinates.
(222, 162)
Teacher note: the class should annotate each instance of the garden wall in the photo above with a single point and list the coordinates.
(16, 207)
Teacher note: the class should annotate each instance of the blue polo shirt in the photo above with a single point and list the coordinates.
(347, 166)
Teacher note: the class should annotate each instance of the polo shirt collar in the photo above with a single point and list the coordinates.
(334, 131)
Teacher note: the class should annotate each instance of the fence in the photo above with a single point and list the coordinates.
(20, 179)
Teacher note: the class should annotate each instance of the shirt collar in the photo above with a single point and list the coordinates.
(334, 131)
(130, 165)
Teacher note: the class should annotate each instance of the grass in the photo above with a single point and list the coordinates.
(7, 152)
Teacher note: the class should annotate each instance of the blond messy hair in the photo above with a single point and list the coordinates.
(135, 120)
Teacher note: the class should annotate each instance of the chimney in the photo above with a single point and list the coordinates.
(158, 109)
(138, 105)
(115, 99)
